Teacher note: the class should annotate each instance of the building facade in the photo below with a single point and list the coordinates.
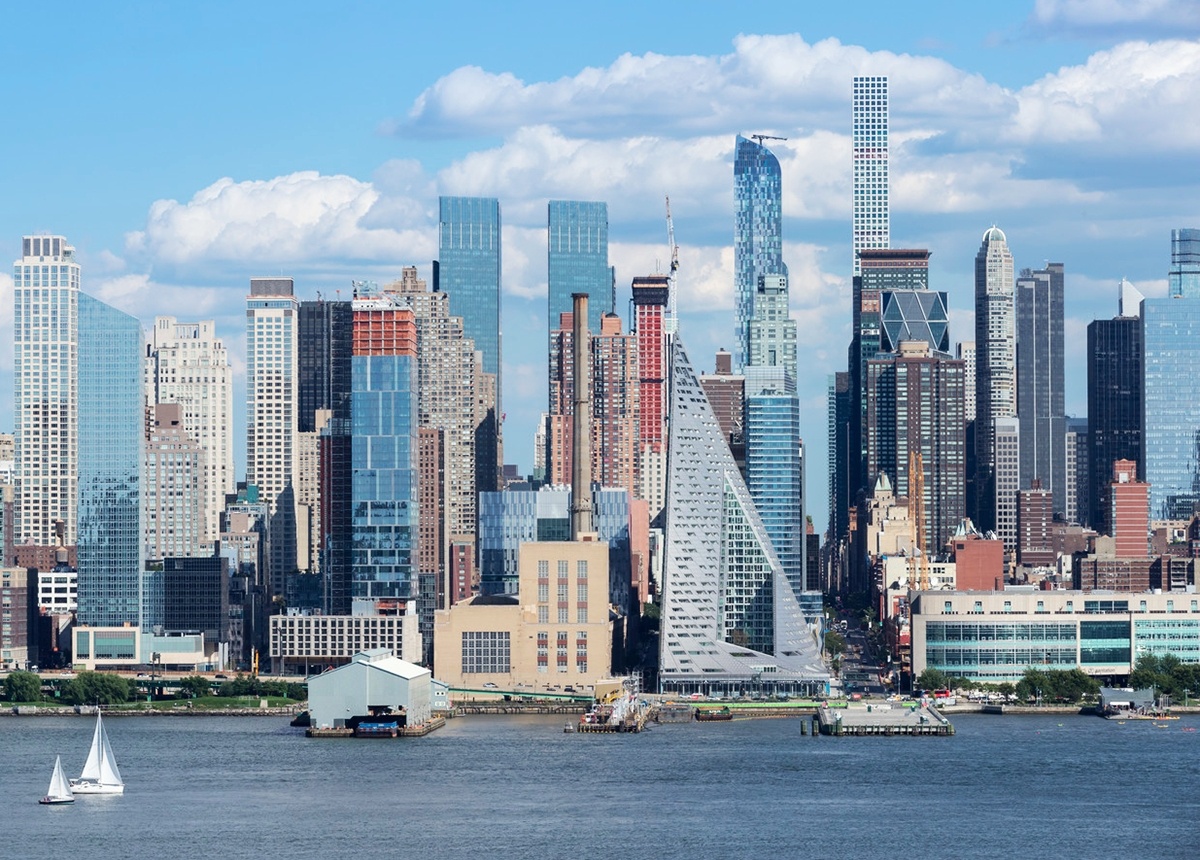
(1115, 376)
(577, 259)
(112, 431)
(1040, 381)
(651, 295)
(186, 363)
(46, 399)
(994, 637)
(384, 423)
(468, 270)
(914, 404)
(729, 615)
(995, 371)
(869, 138)
(175, 489)
(757, 236)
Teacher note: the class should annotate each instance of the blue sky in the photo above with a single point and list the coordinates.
(184, 148)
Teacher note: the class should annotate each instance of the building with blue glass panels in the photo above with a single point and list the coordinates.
(1184, 276)
(577, 260)
(468, 270)
(757, 233)
(775, 475)
(510, 518)
(1171, 397)
(383, 427)
(111, 459)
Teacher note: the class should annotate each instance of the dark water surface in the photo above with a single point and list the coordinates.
(517, 787)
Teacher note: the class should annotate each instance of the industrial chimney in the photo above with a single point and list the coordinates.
(581, 425)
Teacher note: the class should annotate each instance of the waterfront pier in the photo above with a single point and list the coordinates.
(888, 720)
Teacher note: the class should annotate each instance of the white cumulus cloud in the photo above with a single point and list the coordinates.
(290, 219)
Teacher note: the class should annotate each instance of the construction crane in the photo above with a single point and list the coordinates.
(916, 510)
(761, 137)
(672, 306)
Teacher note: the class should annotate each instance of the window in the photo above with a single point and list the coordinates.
(485, 652)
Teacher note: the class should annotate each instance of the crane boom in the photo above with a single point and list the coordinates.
(672, 306)
(761, 137)
(916, 508)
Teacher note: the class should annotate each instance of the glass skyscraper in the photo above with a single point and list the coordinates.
(577, 260)
(757, 234)
(775, 475)
(1184, 277)
(869, 121)
(383, 410)
(1114, 421)
(469, 270)
(111, 444)
(1040, 378)
(1171, 425)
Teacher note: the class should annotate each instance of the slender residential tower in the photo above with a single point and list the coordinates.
(872, 219)
(46, 362)
(757, 233)
(995, 364)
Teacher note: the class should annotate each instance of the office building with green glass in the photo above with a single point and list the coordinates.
(994, 636)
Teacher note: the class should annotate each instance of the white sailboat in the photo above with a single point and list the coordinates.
(100, 774)
(59, 790)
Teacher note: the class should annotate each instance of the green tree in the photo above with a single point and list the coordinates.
(194, 686)
(934, 679)
(97, 688)
(835, 644)
(23, 687)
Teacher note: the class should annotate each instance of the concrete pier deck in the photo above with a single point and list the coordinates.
(885, 719)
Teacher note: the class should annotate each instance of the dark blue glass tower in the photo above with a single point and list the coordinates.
(577, 259)
(757, 235)
(469, 270)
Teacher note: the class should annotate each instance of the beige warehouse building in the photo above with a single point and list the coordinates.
(555, 632)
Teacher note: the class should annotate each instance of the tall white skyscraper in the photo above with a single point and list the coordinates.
(187, 364)
(271, 370)
(872, 221)
(995, 370)
(45, 370)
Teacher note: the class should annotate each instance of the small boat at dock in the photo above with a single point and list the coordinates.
(713, 715)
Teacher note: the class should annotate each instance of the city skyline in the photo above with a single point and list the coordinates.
(985, 128)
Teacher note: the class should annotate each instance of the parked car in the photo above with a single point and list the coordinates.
(489, 686)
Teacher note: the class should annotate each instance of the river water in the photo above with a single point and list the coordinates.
(518, 787)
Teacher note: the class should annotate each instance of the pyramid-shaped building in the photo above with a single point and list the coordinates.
(730, 619)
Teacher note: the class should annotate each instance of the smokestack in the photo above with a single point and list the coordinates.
(581, 425)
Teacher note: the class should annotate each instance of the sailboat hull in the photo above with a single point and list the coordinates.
(96, 788)
(48, 801)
